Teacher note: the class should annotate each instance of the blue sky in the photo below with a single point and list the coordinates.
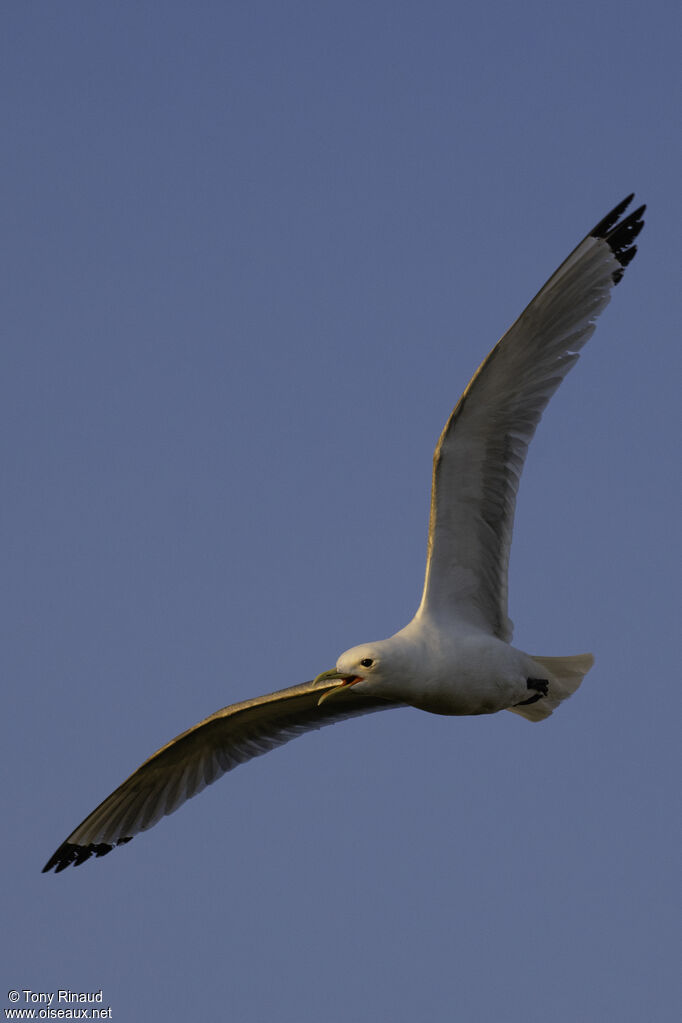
(252, 254)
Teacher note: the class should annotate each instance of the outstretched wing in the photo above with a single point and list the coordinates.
(201, 755)
(480, 455)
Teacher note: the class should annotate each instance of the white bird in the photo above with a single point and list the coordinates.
(455, 656)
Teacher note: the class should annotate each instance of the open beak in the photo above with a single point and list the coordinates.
(344, 681)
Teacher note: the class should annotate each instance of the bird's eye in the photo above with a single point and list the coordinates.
(366, 662)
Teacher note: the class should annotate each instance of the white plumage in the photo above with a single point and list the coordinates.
(454, 656)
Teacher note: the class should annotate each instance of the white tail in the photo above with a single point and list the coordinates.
(564, 675)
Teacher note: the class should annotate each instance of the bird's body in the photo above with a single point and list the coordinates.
(455, 656)
(443, 670)
(447, 668)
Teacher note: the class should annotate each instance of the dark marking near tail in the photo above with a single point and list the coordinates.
(540, 687)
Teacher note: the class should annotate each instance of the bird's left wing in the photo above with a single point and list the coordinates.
(201, 755)
(480, 455)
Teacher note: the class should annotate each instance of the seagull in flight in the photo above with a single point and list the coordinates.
(455, 656)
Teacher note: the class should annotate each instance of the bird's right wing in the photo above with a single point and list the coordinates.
(480, 455)
(201, 755)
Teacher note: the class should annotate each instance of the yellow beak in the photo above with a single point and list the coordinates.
(327, 676)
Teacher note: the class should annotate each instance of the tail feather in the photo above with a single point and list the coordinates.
(564, 675)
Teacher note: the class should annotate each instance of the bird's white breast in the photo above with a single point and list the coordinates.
(449, 671)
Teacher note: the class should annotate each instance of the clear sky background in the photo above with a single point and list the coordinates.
(252, 253)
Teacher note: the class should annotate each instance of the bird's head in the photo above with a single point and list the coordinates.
(363, 666)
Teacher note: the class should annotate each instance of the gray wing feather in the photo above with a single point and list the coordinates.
(201, 755)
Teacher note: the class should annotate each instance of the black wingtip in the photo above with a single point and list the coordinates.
(68, 855)
(620, 234)
(601, 229)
